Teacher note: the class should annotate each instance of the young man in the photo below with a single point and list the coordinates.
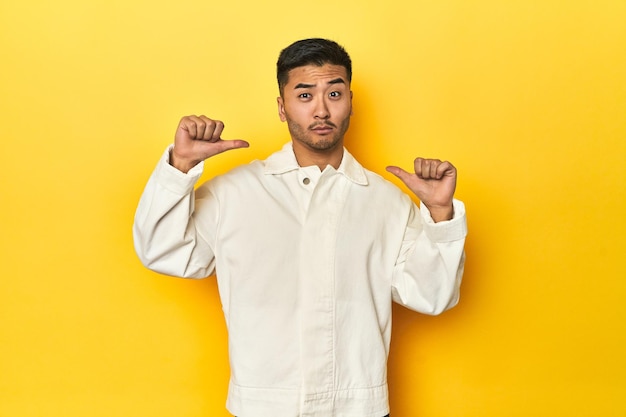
(309, 247)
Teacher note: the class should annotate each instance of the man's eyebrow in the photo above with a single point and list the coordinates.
(335, 81)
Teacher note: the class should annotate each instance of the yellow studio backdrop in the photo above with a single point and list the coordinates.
(526, 98)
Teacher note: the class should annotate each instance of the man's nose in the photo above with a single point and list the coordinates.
(321, 109)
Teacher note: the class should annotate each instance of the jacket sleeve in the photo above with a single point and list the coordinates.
(428, 272)
(165, 232)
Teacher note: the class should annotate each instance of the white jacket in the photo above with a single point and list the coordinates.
(307, 264)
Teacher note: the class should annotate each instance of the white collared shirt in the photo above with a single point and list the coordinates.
(308, 263)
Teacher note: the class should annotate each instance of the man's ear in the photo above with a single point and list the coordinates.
(351, 108)
(281, 109)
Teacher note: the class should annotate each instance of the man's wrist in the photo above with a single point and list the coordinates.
(181, 164)
(440, 214)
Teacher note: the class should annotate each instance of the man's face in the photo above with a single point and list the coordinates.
(316, 103)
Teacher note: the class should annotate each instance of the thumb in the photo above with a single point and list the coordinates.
(400, 173)
(235, 144)
(227, 145)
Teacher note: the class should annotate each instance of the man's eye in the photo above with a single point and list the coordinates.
(335, 94)
(305, 95)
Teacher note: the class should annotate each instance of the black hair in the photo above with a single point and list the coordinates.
(315, 51)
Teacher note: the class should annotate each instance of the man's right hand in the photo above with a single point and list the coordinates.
(198, 138)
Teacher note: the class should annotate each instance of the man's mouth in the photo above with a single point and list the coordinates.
(323, 128)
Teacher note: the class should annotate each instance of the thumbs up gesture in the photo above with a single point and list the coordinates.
(433, 183)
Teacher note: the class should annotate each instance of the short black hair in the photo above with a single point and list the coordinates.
(314, 51)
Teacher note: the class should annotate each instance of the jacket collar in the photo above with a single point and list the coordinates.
(285, 160)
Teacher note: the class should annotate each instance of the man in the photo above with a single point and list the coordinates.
(309, 247)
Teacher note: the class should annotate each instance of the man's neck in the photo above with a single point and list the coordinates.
(308, 157)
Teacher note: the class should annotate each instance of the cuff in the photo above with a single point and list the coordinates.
(174, 180)
(449, 230)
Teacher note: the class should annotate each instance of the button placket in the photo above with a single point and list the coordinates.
(317, 287)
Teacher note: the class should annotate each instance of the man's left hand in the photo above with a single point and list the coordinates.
(433, 183)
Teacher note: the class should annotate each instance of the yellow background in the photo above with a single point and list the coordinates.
(527, 98)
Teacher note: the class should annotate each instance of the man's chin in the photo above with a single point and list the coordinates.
(324, 145)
